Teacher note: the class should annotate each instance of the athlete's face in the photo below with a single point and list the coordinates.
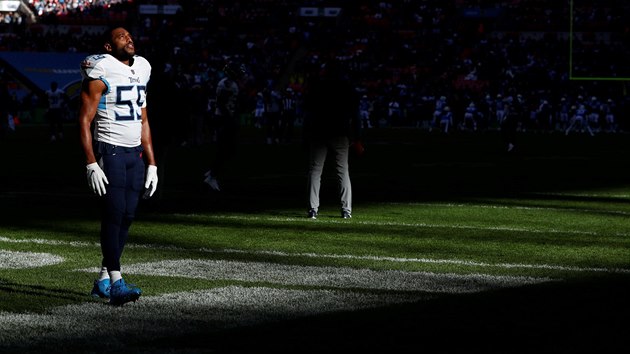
(121, 45)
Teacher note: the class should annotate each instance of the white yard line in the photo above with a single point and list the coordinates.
(405, 224)
(421, 260)
(22, 260)
(177, 314)
(345, 289)
(335, 277)
(428, 261)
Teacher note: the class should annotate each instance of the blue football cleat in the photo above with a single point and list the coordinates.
(101, 289)
(120, 293)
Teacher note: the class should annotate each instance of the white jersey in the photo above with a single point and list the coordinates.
(227, 96)
(55, 98)
(118, 118)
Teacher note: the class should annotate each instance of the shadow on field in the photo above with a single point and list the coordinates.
(399, 165)
(589, 316)
(581, 316)
(42, 296)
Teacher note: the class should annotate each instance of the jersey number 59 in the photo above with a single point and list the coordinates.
(125, 97)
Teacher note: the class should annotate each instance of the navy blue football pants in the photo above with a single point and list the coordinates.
(124, 168)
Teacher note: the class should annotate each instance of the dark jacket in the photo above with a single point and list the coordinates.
(331, 107)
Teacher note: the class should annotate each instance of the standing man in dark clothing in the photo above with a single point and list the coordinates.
(226, 121)
(331, 107)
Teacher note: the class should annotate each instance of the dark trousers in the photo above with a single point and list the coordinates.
(124, 168)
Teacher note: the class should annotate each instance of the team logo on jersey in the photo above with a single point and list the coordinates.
(86, 64)
(134, 79)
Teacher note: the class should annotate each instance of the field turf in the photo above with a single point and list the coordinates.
(455, 246)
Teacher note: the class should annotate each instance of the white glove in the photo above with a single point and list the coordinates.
(151, 181)
(96, 178)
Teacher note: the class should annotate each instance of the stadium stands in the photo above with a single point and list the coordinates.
(413, 51)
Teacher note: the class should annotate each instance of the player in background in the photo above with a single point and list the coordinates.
(579, 120)
(593, 107)
(259, 110)
(113, 99)
(289, 113)
(226, 122)
(608, 110)
(273, 114)
(499, 109)
(57, 101)
(446, 119)
(470, 117)
(440, 103)
(365, 107)
(564, 109)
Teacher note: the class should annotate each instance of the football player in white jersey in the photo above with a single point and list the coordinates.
(113, 100)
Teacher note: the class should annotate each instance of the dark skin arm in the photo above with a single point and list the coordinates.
(147, 142)
(91, 92)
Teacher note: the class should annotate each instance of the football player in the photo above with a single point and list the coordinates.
(113, 100)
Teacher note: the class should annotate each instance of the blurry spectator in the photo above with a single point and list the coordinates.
(579, 121)
(6, 109)
(608, 109)
(365, 108)
(508, 127)
(273, 111)
(470, 117)
(226, 122)
(259, 110)
(446, 119)
(287, 122)
(57, 102)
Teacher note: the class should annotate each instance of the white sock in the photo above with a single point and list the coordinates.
(115, 276)
(103, 274)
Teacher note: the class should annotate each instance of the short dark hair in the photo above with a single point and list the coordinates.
(106, 36)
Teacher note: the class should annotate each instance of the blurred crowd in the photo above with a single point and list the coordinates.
(432, 64)
(82, 12)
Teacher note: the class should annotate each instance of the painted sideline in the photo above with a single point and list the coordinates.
(459, 262)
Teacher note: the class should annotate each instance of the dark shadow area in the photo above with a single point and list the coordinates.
(397, 167)
(588, 316)
(45, 296)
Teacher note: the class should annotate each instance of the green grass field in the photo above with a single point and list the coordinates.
(454, 246)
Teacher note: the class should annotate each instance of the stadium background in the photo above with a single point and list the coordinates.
(406, 52)
(415, 51)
